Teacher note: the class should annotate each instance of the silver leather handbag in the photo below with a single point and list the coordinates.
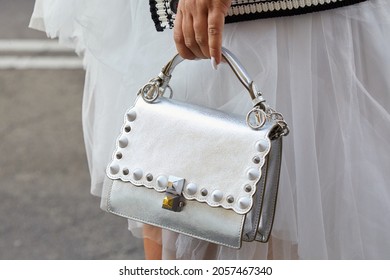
(195, 170)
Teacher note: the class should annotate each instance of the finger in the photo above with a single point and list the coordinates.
(216, 22)
(189, 36)
(179, 38)
(201, 36)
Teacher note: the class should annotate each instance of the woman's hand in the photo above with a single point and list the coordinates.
(198, 28)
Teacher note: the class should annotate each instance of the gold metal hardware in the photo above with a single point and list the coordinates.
(173, 199)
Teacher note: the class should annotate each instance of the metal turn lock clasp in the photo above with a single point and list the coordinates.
(173, 199)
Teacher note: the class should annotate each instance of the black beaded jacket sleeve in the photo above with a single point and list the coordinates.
(163, 11)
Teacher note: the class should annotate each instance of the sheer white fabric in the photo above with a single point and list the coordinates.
(327, 72)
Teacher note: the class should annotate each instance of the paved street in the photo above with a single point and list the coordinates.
(46, 210)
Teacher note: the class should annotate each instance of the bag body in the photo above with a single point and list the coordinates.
(196, 170)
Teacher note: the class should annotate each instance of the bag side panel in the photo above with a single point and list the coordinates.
(270, 192)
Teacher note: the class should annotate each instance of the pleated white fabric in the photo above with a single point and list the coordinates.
(326, 72)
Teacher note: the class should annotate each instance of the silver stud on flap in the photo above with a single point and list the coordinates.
(131, 115)
(137, 174)
(191, 188)
(114, 169)
(253, 174)
(204, 192)
(244, 202)
(261, 146)
(162, 182)
(217, 195)
(123, 142)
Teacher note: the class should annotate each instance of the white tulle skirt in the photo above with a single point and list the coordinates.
(327, 72)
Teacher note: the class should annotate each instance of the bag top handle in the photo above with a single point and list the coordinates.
(255, 118)
(234, 64)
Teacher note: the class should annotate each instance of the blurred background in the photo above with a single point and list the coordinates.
(46, 209)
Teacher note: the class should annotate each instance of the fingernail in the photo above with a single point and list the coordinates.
(214, 63)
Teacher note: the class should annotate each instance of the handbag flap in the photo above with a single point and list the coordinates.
(217, 154)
